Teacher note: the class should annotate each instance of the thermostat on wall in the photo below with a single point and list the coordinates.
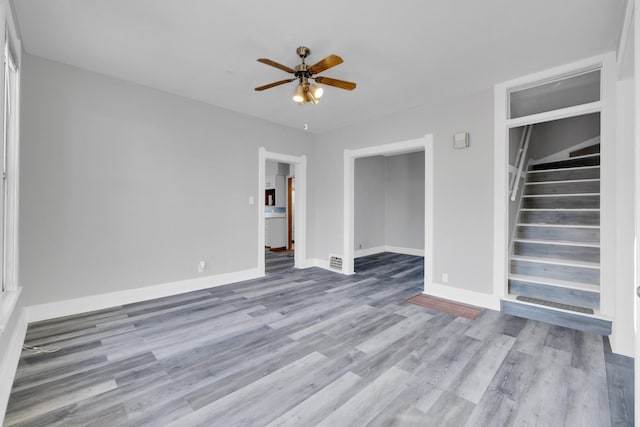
(461, 140)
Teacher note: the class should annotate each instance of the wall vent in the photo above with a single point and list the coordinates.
(335, 263)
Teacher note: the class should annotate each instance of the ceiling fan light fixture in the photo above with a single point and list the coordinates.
(298, 95)
(310, 98)
(317, 91)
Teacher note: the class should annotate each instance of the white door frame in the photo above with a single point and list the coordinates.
(300, 164)
(502, 124)
(415, 145)
(636, 114)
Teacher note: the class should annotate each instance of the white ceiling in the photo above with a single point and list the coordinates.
(401, 53)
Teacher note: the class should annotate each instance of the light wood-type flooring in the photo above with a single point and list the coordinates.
(312, 347)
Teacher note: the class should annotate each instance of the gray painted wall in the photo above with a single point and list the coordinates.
(405, 201)
(123, 186)
(552, 137)
(369, 202)
(463, 181)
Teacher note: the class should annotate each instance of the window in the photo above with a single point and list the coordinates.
(9, 172)
(8, 144)
(568, 91)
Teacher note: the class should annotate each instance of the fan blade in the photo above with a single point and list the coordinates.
(275, 64)
(342, 84)
(270, 85)
(325, 64)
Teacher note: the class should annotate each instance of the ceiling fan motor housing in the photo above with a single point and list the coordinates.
(303, 52)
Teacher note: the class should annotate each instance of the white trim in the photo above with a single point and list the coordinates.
(534, 196)
(348, 212)
(36, 313)
(562, 113)
(464, 296)
(608, 189)
(11, 248)
(429, 179)
(567, 284)
(300, 217)
(564, 154)
(557, 242)
(500, 190)
(12, 226)
(627, 25)
(369, 251)
(636, 283)
(386, 248)
(411, 146)
(553, 74)
(7, 304)
(563, 181)
(9, 359)
(502, 124)
(554, 261)
(565, 169)
(557, 225)
(405, 251)
(317, 262)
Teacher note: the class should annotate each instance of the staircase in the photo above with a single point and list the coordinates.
(554, 267)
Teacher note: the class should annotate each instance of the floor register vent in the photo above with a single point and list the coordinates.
(335, 263)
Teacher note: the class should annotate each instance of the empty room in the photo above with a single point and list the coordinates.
(349, 214)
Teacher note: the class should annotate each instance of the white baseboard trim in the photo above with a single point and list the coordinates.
(35, 313)
(8, 302)
(317, 262)
(369, 251)
(9, 361)
(386, 248)
(465, 296)
(564, 154)
(405, 251)
(313, 262)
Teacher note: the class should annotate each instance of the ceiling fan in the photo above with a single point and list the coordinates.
(306, 92)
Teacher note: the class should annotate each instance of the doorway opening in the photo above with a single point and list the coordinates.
(423, 145)
(389, 205)
(554, 212)
(552, 218)
(281, 211)
(279, 223)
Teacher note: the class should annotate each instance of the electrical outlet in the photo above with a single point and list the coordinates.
(445, 278)
(201, 266)
(360, 246)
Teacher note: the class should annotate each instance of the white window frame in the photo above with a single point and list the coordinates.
(10, 293)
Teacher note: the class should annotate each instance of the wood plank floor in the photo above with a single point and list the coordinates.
(312, 347)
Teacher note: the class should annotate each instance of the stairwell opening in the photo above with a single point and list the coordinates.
(554, 222)
(558, 228)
